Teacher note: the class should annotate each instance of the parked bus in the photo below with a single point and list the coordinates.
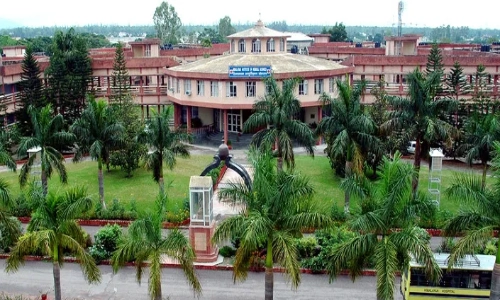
(468, 279)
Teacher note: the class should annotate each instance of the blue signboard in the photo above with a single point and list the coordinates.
(249, 71)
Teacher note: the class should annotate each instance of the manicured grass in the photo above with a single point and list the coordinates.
(327, 185)
(143, 189)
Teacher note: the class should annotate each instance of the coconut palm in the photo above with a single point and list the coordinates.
(164, 144)
(52, 230)
(48, 133)
(276, 208)
(274, 118)
(145, 243)
(419, 114)
(478, 218)
(7, 136)
(7, 222)
(97, 131)
(347, 129)
(481, 131)
(387, 204)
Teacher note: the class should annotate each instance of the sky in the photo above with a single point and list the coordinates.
(430, 13)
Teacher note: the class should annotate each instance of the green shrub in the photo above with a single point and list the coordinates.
(116, 211)
(227, 251)
(327, 240)
(447, 244)
(22, 206)
(307, 247)
(435, 220)
(106, 240)
(7, 238)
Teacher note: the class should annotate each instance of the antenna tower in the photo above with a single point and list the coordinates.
(400, 26)
(400, 18)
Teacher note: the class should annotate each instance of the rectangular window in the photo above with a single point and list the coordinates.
(177, 85)
(268, 88)
(318, 86)
(250, 88)
(201, 87)
(147, 51)
(170, 82)
(187, 86)
(331, 85)
(303, 87)
(231, 89)
(194, 112)
(214, 88)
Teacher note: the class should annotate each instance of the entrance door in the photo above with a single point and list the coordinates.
(217, 125)
(233, 122)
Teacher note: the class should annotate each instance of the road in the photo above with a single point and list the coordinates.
(36, 277)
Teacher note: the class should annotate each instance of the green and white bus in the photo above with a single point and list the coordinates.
(468, 279)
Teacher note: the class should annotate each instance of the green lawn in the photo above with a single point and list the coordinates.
(142, 188)
(327, 184)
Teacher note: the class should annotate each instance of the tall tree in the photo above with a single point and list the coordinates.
(480, 96)
(434, 60)
(347, 129)
(7, 137)
(435, 65)
(419, 114)
(145, 242)
(337, 33)
(48, 134)
(276, 208)
(225, 27)
(53, 231)
(121, 78)
(481, 132)
(455, 81)
(128, 155)
(97, 131)
(7, 222)
(164, 144)
(478, 218)
(167, 23)
(69, 74)
(387, 204)
(274, 115)
(31, 93)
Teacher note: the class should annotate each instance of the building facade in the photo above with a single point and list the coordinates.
(219, 92)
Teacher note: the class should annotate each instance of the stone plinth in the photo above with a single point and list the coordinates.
(201, 241)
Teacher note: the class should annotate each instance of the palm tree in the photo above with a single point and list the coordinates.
(481, 131)
(47, 135)
(145, 243)
(274, 118)
(478, 217)
(387, 204)
(97, 131)
(7, 136)
(164, 144)
(276, 208)
(419, 114)
(10, 226)
(53, 231)
(347, 130)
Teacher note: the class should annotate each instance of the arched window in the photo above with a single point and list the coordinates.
(255, 45)
(241, 46)
(270, 45)
(232, 46)
(282, 45)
